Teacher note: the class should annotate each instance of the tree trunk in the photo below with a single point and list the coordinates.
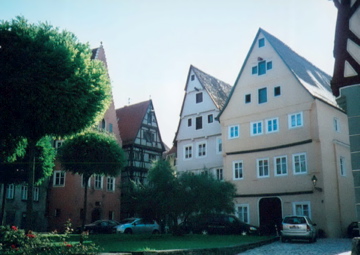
(85, 202)
(31, 178)
(3, 204)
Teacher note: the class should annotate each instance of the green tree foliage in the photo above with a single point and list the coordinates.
(167, 196)
(91, 153)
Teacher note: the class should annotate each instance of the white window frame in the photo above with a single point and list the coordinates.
(201, 149)
(238, 172)
(336, 125)
(24, 192)
(263, 166)
(294, 163)
(232, 131)
(342, 165)
(283, 173)
(219, 145)
(296, 205)
(10, 191)
(59, 178)
(219, 172)
(97, 181)
(82, 181)
(188, 148)
(244, 213)
(268, 131)
(36, 194)
(110, 184)
(256, 125)
(298, 116)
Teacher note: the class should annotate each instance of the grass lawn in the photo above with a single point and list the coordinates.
(122, 243)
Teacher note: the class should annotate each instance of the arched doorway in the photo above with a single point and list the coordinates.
(270, 215)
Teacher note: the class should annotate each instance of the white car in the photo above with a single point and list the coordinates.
(138, 226)
(298, 227)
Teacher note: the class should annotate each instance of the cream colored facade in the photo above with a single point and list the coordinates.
(281, 127)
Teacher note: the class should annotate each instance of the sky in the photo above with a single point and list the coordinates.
(150, 44)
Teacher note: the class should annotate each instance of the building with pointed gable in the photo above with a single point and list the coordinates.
(285, 141)
(66, 190)
(198, 138)
(142, 145)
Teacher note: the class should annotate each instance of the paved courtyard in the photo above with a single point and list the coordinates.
(327, 246)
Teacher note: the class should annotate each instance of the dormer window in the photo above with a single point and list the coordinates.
(261, 42)
(199, 97)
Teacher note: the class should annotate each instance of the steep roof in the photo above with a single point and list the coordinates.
(314, 80)
(99, 54)
(129, 120)
(217, 89)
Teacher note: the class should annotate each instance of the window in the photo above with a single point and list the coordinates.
(110, 184)
(234, 132)
(247, 98)
(262, 68)
(301, 209)
(59, 179)
(336, 125)
(269, 65)
(210, 118)
(83, 181)
(238, 170)
(198, 123)
(36, 193)
(10, 191)
(342, 166)
(188, 152)
(189, 122)
(152, 157)
(192, 77)
(149, 117)
(218, 145)
(24, 192)
(242, 211)
(261, 42)
(219, 174)
(277, 91)
(299, 163)
(149, 136)
(280, 165)
(98, 181)
(254, 70)
(111, 215)
(263, 167)
(295, 120)
(199, 97)
(272, 125)
(201, 150)
(256, 128)
(262, 95)
(110, 127)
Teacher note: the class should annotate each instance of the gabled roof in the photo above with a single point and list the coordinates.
(129, 120)
(217, 89)
(314, 80)
(99, 54)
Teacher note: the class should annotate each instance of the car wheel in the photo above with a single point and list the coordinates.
(156, 232)
(204, 232)
(128, 231)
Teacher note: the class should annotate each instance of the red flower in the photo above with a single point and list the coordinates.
(13, 246)
(14, 228)
(67, 244)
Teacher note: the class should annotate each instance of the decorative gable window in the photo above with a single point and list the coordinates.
(262, 67)
(199, 97)
(256, 128)
(59, 179)
(262, 95)
(234, 132)
(192, 77)
(261, 42)
(188, 152)
(149, 136)
(198, 123)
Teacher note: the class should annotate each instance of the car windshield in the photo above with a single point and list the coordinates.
(295, 220)
(126, 221)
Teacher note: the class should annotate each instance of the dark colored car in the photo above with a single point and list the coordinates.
(220, 224)
(101, 226)
(353, 229)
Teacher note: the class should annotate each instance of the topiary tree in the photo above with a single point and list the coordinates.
(91, 153)
(49, 86)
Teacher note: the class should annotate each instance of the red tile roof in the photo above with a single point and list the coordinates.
(129, 120)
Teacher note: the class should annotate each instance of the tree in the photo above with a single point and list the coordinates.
(14, 166)
(93, 152)
(49, 86)
(167, 196)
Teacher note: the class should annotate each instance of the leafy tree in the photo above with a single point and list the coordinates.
(14, 167)
(49, 85)
(91, 153)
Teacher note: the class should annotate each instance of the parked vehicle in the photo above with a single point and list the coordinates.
(101, 226)
(138, 226)
(353, 229)
(218, 224)
(298, 227)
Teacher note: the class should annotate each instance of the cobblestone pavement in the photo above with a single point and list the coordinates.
(327, 246)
